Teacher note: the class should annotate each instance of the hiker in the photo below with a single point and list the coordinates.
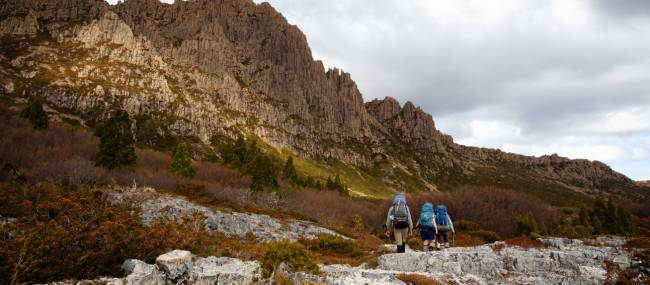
(444, 226)
(428, 227)
(399, 221)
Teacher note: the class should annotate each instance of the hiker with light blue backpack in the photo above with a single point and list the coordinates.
(428, 227)
(444, 225)
(399, 221)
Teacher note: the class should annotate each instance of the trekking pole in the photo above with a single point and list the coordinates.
(453, 239)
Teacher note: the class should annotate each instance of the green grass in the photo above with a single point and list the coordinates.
(356, 179)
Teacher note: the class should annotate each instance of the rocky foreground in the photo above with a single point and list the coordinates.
(560, 261)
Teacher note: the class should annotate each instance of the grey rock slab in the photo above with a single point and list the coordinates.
(224, 270)
(154, 206)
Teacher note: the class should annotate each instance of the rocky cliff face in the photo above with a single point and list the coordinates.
(200, 68)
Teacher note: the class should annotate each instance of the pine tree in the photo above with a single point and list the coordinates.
(598, 226)
(263, 172)
(115, 142)
(627, 226)
(35, 114)
(289, 172)
(330, 184)
(182, 162)
(236, 153)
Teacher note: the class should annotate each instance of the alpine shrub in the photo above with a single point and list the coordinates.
(292, 253)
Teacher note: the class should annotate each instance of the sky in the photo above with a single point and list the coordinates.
(534, 77)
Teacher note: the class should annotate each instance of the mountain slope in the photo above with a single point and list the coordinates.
(205, 68)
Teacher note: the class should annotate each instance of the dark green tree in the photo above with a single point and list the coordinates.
(236, 153)
(263, 172)
(329, 184)
(115, 142)
(289, 172)
(35, 114)
(182, 162)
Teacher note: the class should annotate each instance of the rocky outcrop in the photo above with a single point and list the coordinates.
(181, 267)
(562, 261)
(155, 207)
(200, 68)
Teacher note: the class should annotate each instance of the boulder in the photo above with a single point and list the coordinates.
(176, 264)
(224, 270)
(141, 273)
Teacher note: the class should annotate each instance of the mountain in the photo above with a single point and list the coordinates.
(204, 69)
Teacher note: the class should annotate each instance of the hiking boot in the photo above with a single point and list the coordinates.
(431, 248)
(446, 245)
(437, 246)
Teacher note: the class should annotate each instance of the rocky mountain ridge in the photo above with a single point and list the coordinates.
(201, 68)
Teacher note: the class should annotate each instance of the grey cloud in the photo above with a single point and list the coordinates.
(625, 8)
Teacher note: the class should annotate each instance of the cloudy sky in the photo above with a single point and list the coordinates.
(534, 77)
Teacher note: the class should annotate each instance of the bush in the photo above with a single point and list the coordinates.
(181, 161)
(292, 253)
(338, 245)
(464, 225)
(35, 114)
(487, 236)
(116, 144)
(526, 225)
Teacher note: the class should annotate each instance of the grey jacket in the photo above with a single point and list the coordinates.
(389, 220)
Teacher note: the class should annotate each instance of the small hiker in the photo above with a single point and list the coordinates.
(444, 226)
(428, 227)
(399, 221)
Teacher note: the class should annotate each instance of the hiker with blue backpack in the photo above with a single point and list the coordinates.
(444, 225)
(428, 227)
(399, 221)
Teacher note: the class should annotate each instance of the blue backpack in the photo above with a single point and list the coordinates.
(426, 216)
(441, 215)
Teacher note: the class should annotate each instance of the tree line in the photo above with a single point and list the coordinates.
(604, 217)
(117, 149)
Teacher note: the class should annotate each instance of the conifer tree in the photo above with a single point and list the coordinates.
(263, 173)
(35, 114)
(182, 162)
(289, 172)
(235, 154)
(115, 142)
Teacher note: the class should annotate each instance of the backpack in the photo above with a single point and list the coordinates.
(441, 215)
(426, 216)
(400, 214)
